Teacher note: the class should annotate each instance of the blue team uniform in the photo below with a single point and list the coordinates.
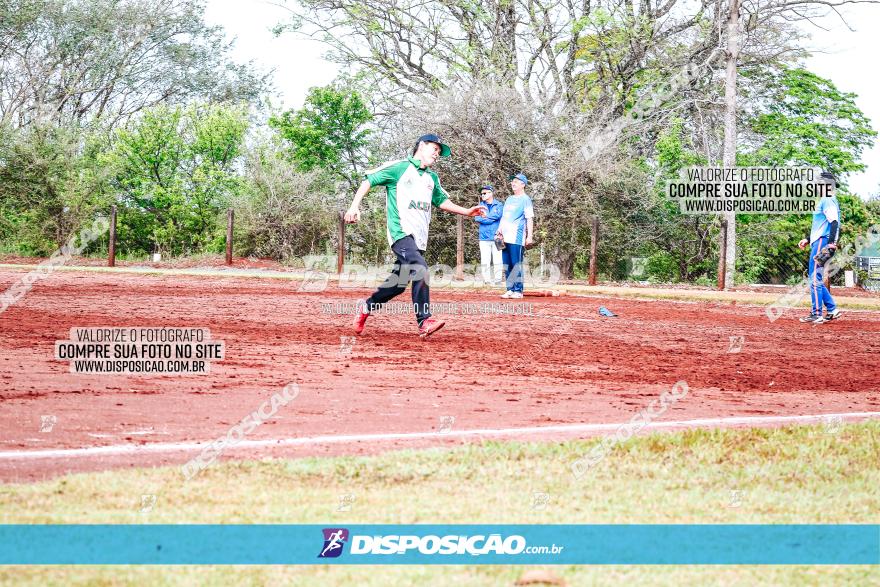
(827, 211)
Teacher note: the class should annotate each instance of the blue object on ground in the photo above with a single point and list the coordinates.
(603, 311)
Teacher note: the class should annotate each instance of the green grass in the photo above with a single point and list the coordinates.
(803, 474)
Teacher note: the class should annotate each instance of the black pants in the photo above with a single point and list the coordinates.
(410, 267)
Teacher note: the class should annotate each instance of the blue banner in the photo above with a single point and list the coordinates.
(440, 544)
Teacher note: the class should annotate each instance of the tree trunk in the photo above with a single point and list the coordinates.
(730, 133)
(594, 249)
(565, 262)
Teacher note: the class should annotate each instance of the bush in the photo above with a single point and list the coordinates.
(175, 169)
(661, 266)
(284, 213)
(49, 187)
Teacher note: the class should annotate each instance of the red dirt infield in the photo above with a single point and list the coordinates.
(562, 364)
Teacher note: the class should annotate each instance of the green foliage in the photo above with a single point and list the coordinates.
(686, 241)
(284, 213)
(672, 154)
(661, 266)
(49, 185)
(856, 216)
(32, 168)
(751, 261)
(175, 170)
(808, 121)
(172, 169)
(803, 119)
(327, 132)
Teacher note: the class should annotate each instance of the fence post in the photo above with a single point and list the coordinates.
(230, 219)
(340, 254)
(111, 260)
(594, 247)
(722, 257)
(459, 250)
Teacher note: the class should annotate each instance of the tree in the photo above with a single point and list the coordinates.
(175, 169)
(686, 239)
(797, 118)
(283, 213)
(574, 67)
(328, 132)
(610, 74)
(50, 183)
(803, 119)
(416, 48)
(83, 60)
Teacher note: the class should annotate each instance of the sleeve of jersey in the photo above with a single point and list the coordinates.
(439, 196)
(528, 211)
(495, 214)
(830, 211)
(385, 174)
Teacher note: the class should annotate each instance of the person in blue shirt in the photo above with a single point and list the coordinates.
(488, 226)
(824, 233)
(517, 228)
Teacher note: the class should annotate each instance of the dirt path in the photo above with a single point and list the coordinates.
(565, 364)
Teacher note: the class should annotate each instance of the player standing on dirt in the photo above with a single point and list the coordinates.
(823, 244)
(517, 228)
(488, 226)
(412, 188)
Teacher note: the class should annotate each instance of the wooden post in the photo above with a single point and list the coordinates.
(230, 219)
(111, 261)
(459, 250)
(340, 254)
(594, 247)
(722, 256)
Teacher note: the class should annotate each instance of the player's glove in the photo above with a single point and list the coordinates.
(823, 256)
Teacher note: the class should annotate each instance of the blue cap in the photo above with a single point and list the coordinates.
(445, 151)
(487, 187)
(521, 177)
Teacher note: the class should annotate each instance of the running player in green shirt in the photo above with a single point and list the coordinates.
(412, 188)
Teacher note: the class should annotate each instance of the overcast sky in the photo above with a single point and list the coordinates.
(848, 58)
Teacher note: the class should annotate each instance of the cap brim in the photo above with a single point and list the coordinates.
(445, 151)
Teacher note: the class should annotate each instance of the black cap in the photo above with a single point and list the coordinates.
(445, 151)
(828, 177)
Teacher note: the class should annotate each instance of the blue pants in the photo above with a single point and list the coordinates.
(819, 294)
(512, 258)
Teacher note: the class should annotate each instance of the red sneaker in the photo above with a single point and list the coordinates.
(429, 326)
(360, 317)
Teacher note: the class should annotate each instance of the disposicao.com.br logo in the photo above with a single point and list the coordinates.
(431, 544)
(334, 542)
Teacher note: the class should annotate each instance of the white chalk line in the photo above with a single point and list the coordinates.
(129, 449)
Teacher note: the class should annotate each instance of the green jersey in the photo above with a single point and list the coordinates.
(410, 194)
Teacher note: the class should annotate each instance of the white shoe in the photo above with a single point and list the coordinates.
(507, 295)
(516, 295)
(835, 315)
